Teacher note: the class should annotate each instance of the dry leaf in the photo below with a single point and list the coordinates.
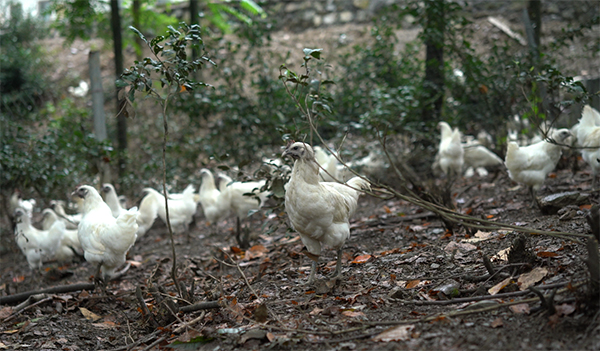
(502, 255)
(496, 288)
(479, 236)
(399, 333)
(255, 251)
(89, 315)
(270, 336)
(529, 279)
(565, 309)
(3, 346)
(5, 312)
(105, 325)
(465, 247)
(362, 259)
(354, 314)
(520, 308)
(496, 323)
(412, 283)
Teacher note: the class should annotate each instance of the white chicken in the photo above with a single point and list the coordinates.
(71, 221)
(531, 164)
(479, 158)
(69, 245)
(587, 132)
(211, 198)
(450, 156)
(181, 211)
(16, 201)
(104, 238)
(319, 211)
(112, 200)
(331, 170)
(38, 246)
(147, 213)
(235, 197)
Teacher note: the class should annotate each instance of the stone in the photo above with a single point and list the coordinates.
(551, 204)
(361, 4)
(346, 16)
(329, 19)
(317, 20)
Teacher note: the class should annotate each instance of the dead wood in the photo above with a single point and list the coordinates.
(53, 290)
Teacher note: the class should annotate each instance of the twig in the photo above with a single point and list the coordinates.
(29, 303)
(177, 330)
(53, 290)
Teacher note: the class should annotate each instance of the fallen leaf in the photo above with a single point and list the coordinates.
(496, 288)
(5, 312)
(531, 278)
(502, 255)
(362, 259)
(520, 308)
(565, 309)
(270, 336)
(387, 209)
(399, 333)
(3, 346)
(236, 250)
(354, 314)
(585, 207)
(18, 279)
(261, 314)
(412, 283)
(496, 323)
(255, 251)
(89, 315)
(316, 311)
(453, 246)
(105, 325)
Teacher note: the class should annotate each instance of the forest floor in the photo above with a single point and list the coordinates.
(407, 284)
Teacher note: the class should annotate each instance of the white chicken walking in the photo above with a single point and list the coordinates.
(104, 238)
(211, 199)
(181, 210)
(450, 154)
(69, 245)
(37, 245)
(319, 211)
(587, 132)
(531, 164)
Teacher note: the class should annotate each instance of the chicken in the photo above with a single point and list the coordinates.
(531, 164)
(478, 157)
(587, 132)
(71, 221)
(331, 170)
(181, 211)
(105, 239)
(235, 198)
(112, 200)
(16, 201)
(69, 245)
(211, 198)
(147, 213)
(319, 211)
(38, 246)
(450, 156)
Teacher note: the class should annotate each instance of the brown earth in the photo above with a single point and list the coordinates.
(401, 272)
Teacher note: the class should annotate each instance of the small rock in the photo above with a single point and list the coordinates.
(568, 212)
(551, 204)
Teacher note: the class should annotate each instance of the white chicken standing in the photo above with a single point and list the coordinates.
(37, 245)
(69, 245)
(450, 156)
(181, 210)
(211, 199)
(236, 199)
(531, 164)
(587, 132)
(319, 211)
(112, 200)
(104, 238)
(16, 201)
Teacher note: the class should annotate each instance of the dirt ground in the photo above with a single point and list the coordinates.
(408, 284)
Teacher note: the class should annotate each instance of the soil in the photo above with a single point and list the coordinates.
(407, 283)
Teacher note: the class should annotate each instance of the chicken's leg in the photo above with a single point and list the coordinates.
(338, 267)
(311, 277)
(534, 199)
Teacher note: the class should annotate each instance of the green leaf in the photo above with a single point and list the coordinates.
(253, 8)
(316, 53)
(139, 34)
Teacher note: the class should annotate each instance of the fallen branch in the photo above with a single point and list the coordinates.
(200, 306)
(53, 290)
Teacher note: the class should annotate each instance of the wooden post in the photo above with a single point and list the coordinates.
(98, 111)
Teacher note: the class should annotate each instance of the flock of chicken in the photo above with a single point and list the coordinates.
(529, 164)
(318, 204)
(103, 230)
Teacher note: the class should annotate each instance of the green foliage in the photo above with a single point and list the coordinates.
(52, 158)
(23, 82)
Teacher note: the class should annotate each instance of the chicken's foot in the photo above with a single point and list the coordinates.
(337, 273)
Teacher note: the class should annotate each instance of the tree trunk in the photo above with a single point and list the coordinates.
(534, 9)
(115, 22)
(194, 19)
(433, 84)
